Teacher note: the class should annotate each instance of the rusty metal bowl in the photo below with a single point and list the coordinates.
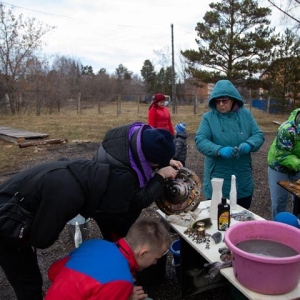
(181, 194)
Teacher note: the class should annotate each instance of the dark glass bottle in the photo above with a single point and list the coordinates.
(223, 215)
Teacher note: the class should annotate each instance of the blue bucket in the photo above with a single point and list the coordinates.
(175, 249)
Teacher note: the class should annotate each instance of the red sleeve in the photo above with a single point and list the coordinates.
(56, 267)
(116, 290)
(171, 128)
(151, 117)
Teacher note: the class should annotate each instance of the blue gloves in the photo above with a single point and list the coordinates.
(244, 148)
(231, 152)
(227, 152)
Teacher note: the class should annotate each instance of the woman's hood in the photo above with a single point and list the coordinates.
(224, 88)
(293, 117)
(294, 120)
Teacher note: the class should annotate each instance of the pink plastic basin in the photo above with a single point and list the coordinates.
(265, 275)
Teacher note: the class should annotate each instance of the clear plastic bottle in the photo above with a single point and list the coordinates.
(232, 195)
(77, 236)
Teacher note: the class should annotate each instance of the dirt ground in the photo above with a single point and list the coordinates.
(170, 288)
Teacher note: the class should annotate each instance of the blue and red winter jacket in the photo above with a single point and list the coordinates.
(98, 269)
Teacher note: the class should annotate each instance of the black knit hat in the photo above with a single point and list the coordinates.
(158, 146)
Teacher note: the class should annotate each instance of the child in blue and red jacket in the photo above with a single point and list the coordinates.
(99, 269)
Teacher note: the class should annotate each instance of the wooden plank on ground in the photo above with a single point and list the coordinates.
(18, 135)
(42, 142)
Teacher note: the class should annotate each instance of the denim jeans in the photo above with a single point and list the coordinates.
(279, 195)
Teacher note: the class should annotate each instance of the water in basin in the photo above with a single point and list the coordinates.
(266, 248)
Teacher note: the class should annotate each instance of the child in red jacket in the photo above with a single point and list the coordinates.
(99, 269)
(159, 115)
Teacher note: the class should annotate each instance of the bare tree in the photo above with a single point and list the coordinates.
(182, 66)
(64, 79)
(20, 40)
(164, 57)
(289, 8)
(31, 85)
(123, 76)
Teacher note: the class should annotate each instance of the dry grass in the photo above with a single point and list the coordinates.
(91, 125)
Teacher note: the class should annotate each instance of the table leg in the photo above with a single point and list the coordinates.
(296, 206)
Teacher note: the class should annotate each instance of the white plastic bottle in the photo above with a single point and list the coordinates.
(232, 195)
(217, 184)
(77, 236)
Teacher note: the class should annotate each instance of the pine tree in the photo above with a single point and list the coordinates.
(281, 79)
(149, 76)
(234, 42)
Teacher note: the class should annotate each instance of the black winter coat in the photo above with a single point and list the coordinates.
(124, 194)
(181, 146)
(123, 191)
(60, 195)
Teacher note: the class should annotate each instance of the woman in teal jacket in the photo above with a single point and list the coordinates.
(284, 160)
(226, 136)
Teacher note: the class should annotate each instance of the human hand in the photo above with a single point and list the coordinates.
(137, 293)
(244, 148)
(227, 152)
(175, 164)
(167, 172)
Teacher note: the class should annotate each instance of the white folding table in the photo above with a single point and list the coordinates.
(192, 272)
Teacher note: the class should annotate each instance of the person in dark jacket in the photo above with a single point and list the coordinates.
(108, 269)
(68, 189)
(140, 157)
(180, 143)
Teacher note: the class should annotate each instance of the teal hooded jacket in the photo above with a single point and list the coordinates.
(217, 130)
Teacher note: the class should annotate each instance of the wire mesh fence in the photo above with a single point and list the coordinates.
(115, 104)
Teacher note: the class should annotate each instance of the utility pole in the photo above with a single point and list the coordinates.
(173, 73)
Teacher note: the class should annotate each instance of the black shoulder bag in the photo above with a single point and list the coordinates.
(17, 215)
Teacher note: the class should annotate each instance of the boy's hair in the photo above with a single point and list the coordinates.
(147, 231)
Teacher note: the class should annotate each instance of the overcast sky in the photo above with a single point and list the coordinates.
(106, 33)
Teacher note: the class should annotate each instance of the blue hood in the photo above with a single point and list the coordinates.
(224, 88)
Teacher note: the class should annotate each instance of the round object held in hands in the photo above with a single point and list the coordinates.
(181, 194)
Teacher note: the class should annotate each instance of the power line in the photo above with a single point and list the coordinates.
(42, 12)
(75, 18)
(193, 33)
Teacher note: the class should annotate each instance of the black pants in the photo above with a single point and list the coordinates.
(245, 202)
(22, 271)
(114, 226)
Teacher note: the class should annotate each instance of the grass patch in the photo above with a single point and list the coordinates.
(91, 125)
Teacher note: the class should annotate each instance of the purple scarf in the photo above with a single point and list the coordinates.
(145, 174)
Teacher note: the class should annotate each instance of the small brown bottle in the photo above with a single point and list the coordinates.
(223, 215)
